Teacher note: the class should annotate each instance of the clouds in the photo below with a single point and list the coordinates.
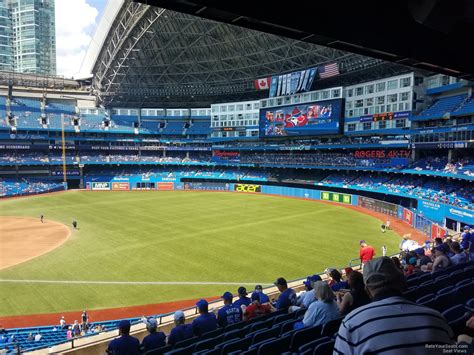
(76, 21)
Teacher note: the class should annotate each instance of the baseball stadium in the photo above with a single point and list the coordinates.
(228, 180)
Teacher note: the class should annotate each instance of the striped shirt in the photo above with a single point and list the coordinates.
(390, 326)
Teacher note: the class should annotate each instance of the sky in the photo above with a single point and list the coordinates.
(76, 21)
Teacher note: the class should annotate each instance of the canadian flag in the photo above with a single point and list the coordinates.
(263, 83)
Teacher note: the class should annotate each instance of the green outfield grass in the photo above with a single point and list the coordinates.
(178, 236)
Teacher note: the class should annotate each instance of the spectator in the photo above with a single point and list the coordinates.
(229, 314)
(62, 323)
(422, 258)
(263, 297)
(69, 334)
(126, 344)
(243, 299)
(459, 255)
(38, 337)
(441, 261)
(2, 330)
(206, 321)
(30, 337)
(366, 252)
(356, 297)
(308, 297)
(336, 277)
(181, 331)
(76, 329)
(323, 310)
(84, 318)
(154, 339)
(256, 308)
(287, 296)
(390, 323)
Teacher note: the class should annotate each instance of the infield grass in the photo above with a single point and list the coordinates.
(178, 236)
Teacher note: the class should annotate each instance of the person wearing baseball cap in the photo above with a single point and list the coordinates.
(366, 252)
(229, 314)
(287, 296)
(243, 299)
(206, 322)
(467, 241)
(256, 308)
(154, 339)
(181, 331)
(263, 297)
(126, 344)
(390, 321)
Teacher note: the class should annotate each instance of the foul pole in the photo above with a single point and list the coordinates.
(63, 142)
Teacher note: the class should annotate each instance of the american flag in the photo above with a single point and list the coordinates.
(328, 70)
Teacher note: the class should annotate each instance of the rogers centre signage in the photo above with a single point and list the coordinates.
(247, 188)
(380, 154)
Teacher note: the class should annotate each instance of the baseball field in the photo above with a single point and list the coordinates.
(134, 248)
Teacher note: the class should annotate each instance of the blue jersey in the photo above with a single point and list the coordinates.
(204, 323)
(229, 314)
(467, 239)
(154, 341)
(263, 298)
(287, 298)
(243, 301)
(179, 333)
(125, 345)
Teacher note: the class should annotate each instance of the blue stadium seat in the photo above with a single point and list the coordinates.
(159, 351)
(274, 346)
(442, 281)
(444, 300)
(465, 292)
(235, 344)
(469, 271)
(264, 334)
(311, 345)
(182, 351)
(463, 282)
(209, 343)
(283, 318)
(287, 326)
(324, 348)
(331, 327)
(304, 336)
(236, 333)
(457, 317)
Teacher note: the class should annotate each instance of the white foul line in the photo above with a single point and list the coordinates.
(135, 282)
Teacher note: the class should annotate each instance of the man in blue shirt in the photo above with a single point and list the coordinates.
(155, 339)
(243, 299)
(287, 297)
(126, 344)
(467, 241)
(206, 322)
(263, 297)
(181, 331)
(229, 314)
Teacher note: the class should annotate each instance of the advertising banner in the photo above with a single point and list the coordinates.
(123, 186)
(336, 197)
(100, 186)
(206, 186)
(247, 188)
(165, 186)
(408, 216)
(437, 231)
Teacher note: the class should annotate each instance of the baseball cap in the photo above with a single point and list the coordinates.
(380, 272)
(151, 322)
(227, 296)
(280, 281)
(420, 251)
(255, 296)
(314, 278)
(201, 303)
(178, 315)
(361, 241)
(242, 291)
(259, 288)
(467, 227)
(124, 324)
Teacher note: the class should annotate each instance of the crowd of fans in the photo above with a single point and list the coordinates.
(360, 297)
(25, 187)
(460, 166)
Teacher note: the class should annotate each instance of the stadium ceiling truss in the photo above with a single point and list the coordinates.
(154, 57)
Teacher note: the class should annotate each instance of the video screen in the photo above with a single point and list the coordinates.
(318, 118)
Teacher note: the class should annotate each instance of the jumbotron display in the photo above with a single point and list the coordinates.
(317, 118)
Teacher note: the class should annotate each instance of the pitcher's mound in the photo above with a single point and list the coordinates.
(24, 238)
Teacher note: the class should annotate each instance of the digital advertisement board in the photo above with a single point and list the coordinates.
(322, 117)
(336, 197)
(121, 186)
(207, 186)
